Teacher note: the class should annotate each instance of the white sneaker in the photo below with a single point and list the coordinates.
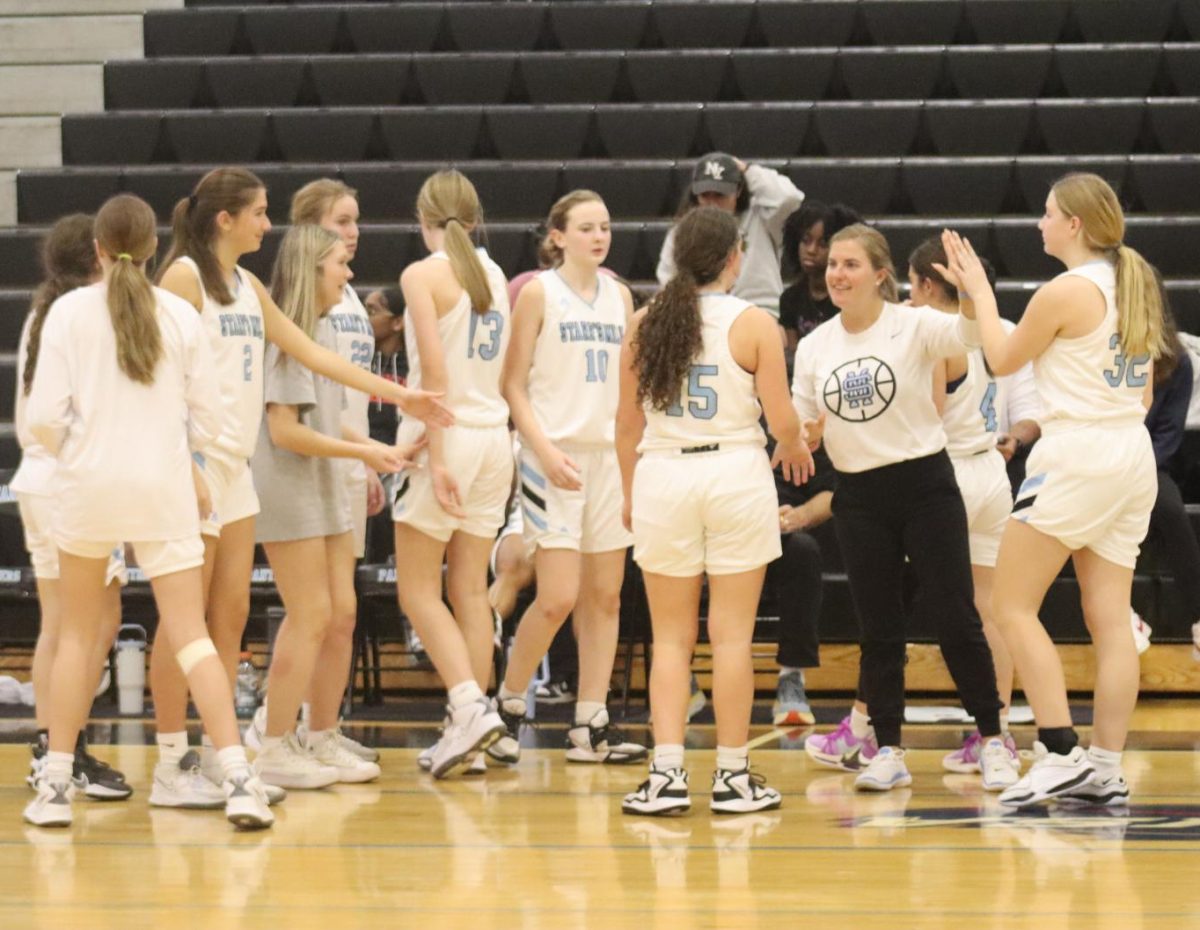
(184, 785)
(664, 792)
(478, 765)
(472, 729)
(885, 771)
(742, 793)
(367, 753)
(289, 765)
(246, 805)
(1050, 775)
(507, 749)
(256, 729)
(351, 768)
(1000, 767)
(1100, 791)
(425, 759)
(1141, 632)
(52, 805)
(600, 741)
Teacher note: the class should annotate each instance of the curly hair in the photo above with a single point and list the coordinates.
(671, 333)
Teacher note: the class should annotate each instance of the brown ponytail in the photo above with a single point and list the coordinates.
(125, 230)
(194, 224)
(448, 201)
(68, 262)
(670, 335)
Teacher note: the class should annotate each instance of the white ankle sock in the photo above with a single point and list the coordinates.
(59, 767)
(733, 758)
(668, 756)
(510, 699)
(314, 736)
(463, 694)
(860, 724)
(233, 761)
(1104, 761)
(586, 712)
(172, 747)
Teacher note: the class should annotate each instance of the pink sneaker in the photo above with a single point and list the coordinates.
(841, 749)
(965, 761)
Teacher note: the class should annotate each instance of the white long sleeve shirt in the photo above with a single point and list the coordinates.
(123, 448)
(874, 386)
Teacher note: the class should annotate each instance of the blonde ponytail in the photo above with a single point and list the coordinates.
(1139, 305)
(448, 201)
(125, 229)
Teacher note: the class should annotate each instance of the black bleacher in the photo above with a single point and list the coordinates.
(920, 115)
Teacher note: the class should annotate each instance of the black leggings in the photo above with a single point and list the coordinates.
(795, 581)
(912, 509)
(1171, 531)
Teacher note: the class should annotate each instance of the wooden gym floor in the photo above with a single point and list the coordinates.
(546, 846)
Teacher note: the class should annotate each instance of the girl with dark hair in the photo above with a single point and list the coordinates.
(568, 323)
(804, 304)
(700, 497)
(223, 219)
(68, 262)
(870, 371)
(761, 199)
(124, 392)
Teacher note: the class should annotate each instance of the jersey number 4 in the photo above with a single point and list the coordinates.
(702, 399)
(494, 323)
(1127, 369)
(987, 407)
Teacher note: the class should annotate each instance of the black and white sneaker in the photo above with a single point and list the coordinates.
(600, 741)
(742, 792)
(52, 806)
(507, 749)
(96, 779)
(663, 793)
(37, 761)
(1050, 776)
(1099, 791)
(555, 692)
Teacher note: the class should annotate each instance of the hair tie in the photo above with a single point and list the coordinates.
(124, 256)
(451, 219)
(191, 202)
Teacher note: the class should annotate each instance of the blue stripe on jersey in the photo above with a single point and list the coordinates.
(534, 518)
(533, 476)
(198, 458)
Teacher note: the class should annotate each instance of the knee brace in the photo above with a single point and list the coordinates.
(195, 652)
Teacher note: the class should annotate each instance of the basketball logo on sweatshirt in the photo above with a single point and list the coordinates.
(860, 390)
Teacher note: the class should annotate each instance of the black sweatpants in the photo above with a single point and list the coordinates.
(795, 581)
(912, 509)
(1171, 531)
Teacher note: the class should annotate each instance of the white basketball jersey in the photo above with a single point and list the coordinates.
(1090, 379)
(236, 337)
(717, 402)
(356, 344)
(971, 413)
(574, 380)
(474, 345)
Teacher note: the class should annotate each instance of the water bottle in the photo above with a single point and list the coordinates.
(131, 668)
(246, 697)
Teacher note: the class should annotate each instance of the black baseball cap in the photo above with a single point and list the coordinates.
(716, 172)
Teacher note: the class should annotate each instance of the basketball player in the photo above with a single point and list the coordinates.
(869, 372)
(970, 398)
(223, 219)
(69, 261)
(701, 498)
(1093, 333)
(113, 349)
(456, 328)
(568, 324)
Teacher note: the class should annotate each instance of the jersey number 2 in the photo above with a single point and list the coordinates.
(702, 399)
(495, 325)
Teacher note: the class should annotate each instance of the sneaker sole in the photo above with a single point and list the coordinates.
(795, 718)
(744, 806)
(877, 786)
(1028, 800)
(54, 822)
(835, 762)
(106, 793)
(245, 820)
(357, 776)
(158, 801)
(462, 760)
(961, 768)
(582, 756)
(311, 782)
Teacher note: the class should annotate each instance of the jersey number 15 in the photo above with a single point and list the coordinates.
(702, 399)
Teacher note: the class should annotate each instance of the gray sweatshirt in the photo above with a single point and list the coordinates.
(773, 198)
